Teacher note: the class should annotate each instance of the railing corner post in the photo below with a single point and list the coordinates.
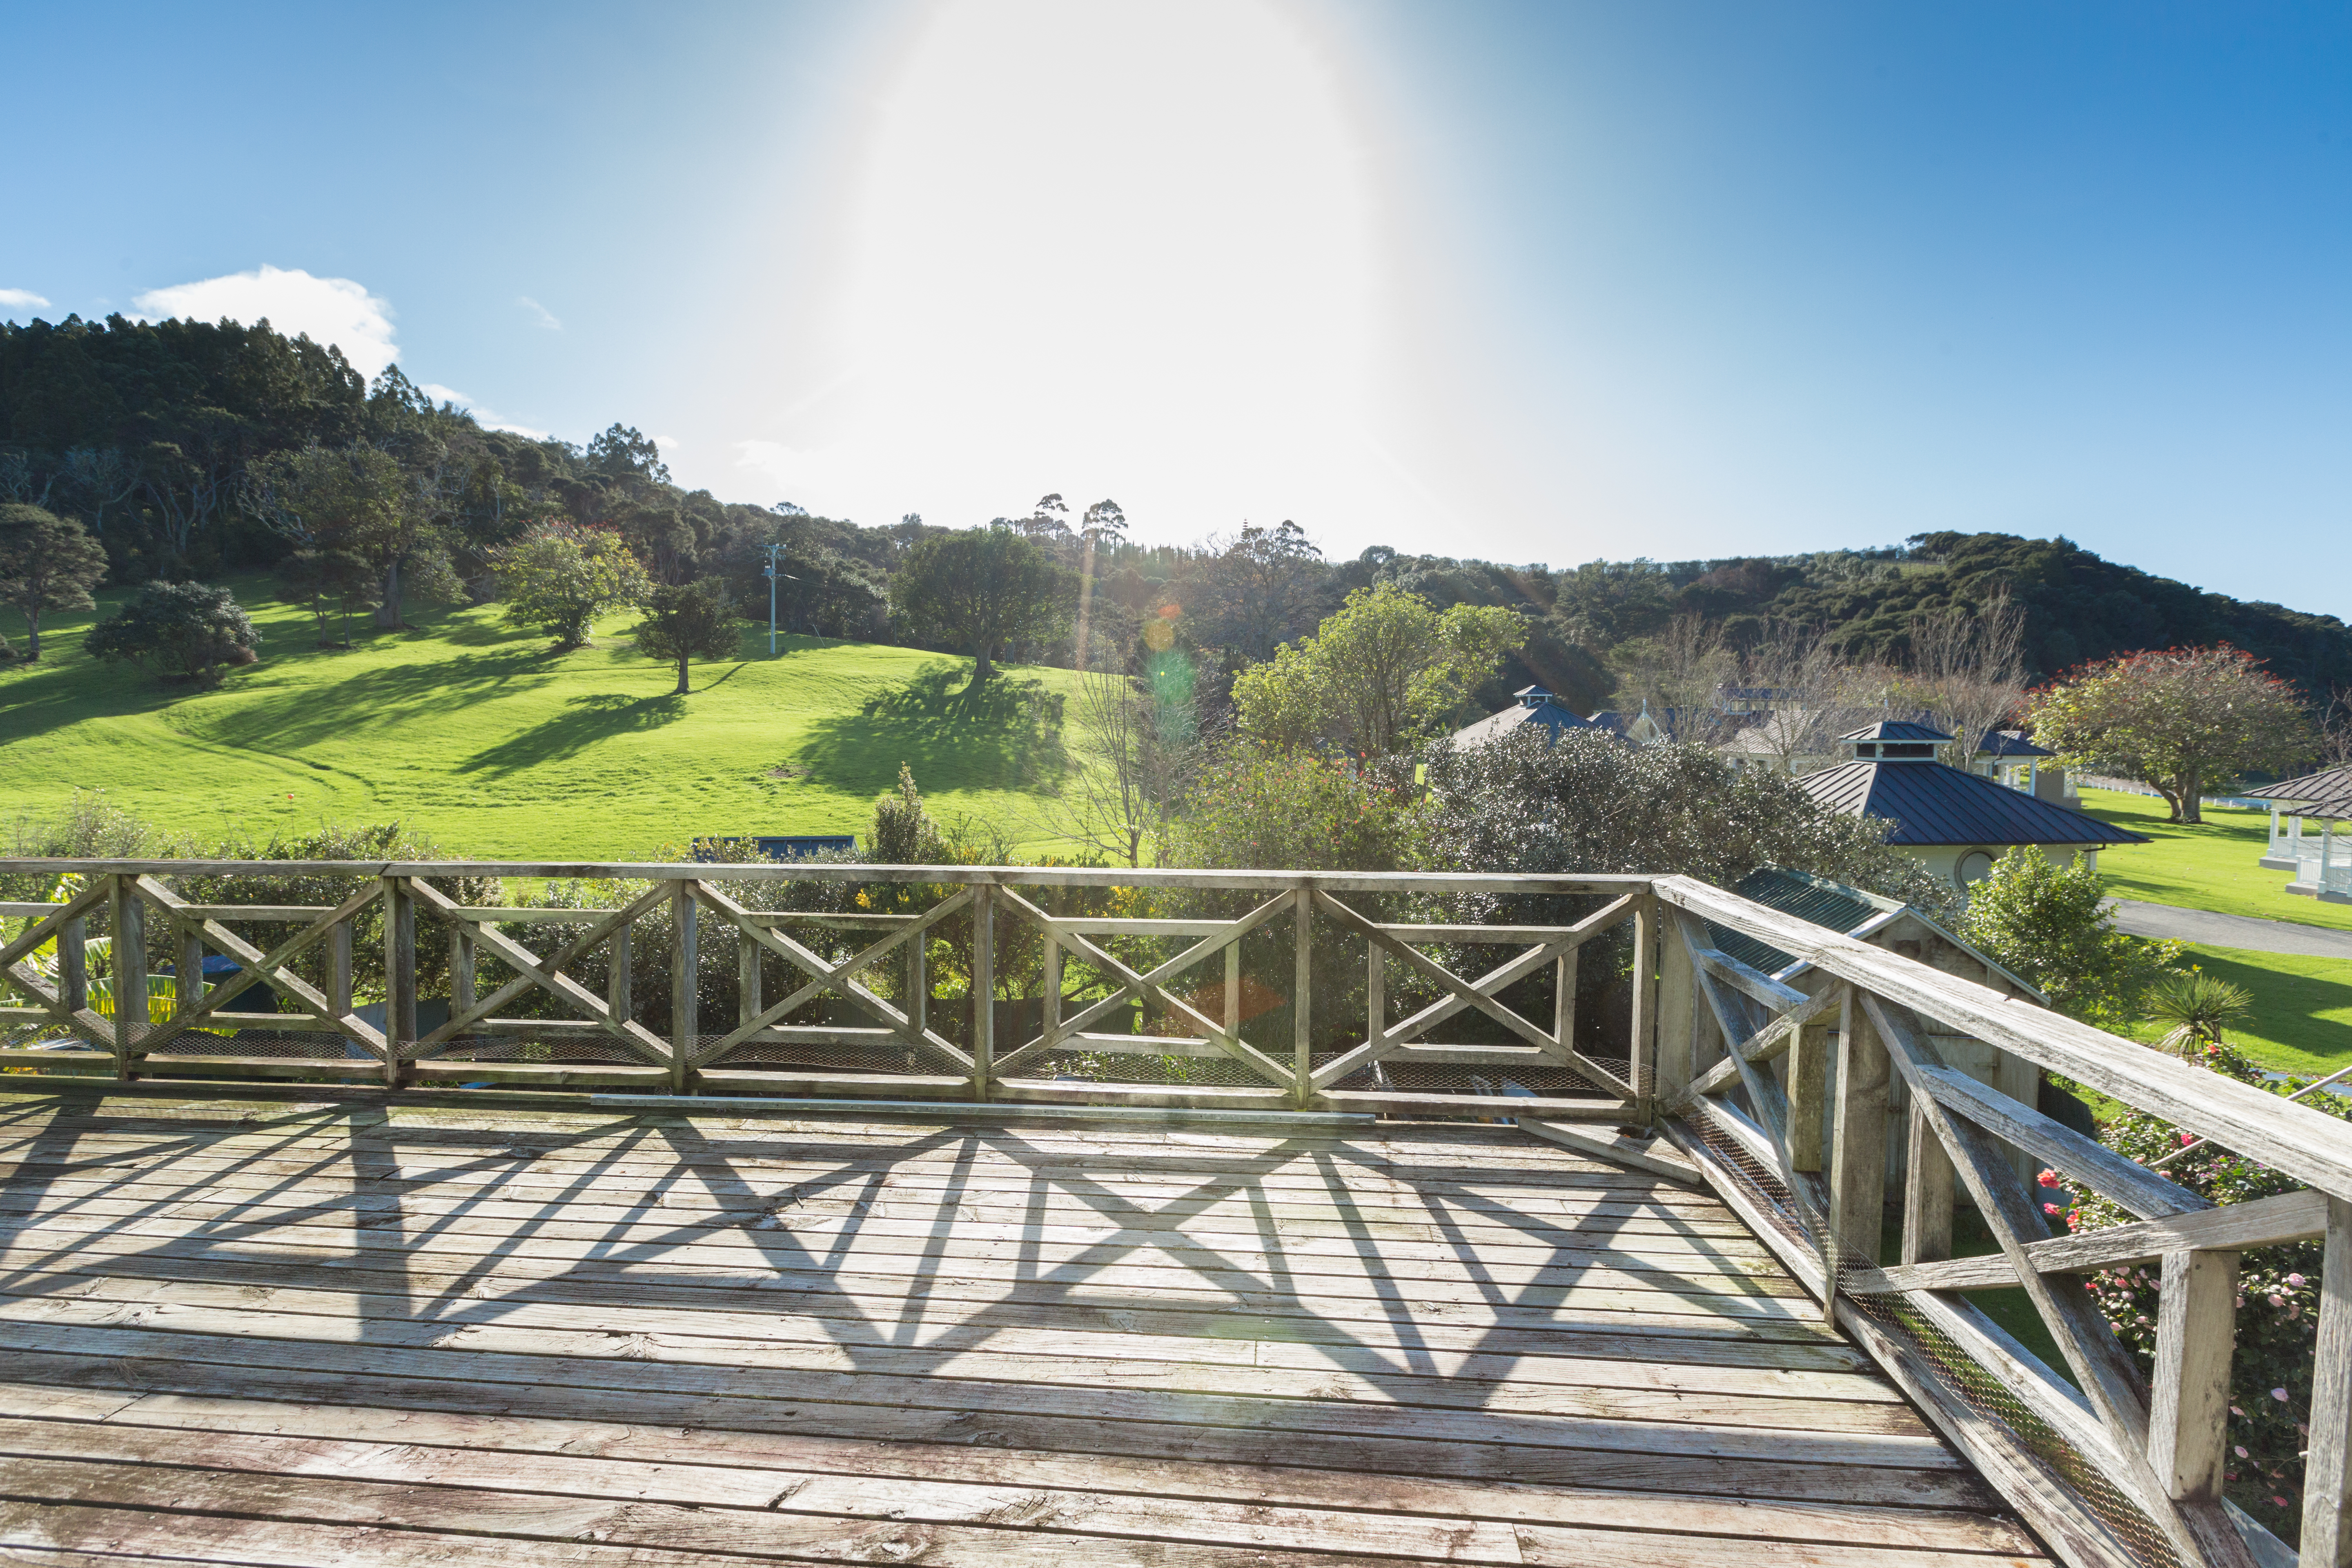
(1664, 1030)
(2327, 1469)
(984, 990)
(1302, 985)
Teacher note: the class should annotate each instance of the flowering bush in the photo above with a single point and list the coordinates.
(2278, 1298)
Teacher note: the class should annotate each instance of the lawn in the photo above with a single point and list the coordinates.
(474, 731)
(2302, 1021)
(2210, 865)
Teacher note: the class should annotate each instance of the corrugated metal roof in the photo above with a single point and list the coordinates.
(1495, 726)
(2009, 744)
(2327, 793)
(1896, 729)
(1937, 805)
(1824, 903)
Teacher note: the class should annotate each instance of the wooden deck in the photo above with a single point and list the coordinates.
(280, 1333)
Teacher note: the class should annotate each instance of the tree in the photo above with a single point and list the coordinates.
(1142, 742)
(1259, 590)
(2051, 926)
(1590, 802)
(1676, 675)
(1377, 676)
(688, 621)
(184, 631)
(1105, 523)
(621, 451)
(982, 590)
(326, 582)
(1253, 808)
(904, 833)
(1817, 695)
(1968, 666)
(2180, 719)
(562, 577)
(46, 562)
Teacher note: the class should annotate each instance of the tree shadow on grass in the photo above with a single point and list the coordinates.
(604, 717)
(1010, 739)
(2291, 1008)
(290, 717)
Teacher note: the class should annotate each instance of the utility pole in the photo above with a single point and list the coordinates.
(773, 575)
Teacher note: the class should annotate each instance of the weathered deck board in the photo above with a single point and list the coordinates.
(285, 1334)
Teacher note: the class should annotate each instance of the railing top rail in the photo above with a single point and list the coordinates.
(2310, 1147)
(802, 871)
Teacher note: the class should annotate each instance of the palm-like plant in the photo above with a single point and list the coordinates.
(2199, 1006)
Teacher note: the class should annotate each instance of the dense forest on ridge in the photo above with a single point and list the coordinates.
(154, 436)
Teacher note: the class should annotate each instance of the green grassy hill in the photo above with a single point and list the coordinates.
(475, 733)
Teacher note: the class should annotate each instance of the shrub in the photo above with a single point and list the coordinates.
(2049, 925)
(2278, 1297)
(1293, 810)
(184, 631)
(1591, 804)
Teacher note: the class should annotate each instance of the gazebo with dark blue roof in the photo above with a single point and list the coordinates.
(1533, 705)
(1958, 823)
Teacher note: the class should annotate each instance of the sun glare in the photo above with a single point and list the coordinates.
(1109, 249)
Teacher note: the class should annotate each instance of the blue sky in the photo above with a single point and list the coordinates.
(1534, 282)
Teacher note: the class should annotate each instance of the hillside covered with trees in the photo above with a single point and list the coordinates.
(189, 450)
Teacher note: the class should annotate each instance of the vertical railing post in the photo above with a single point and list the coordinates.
(983, 990)
(1926, 1191)
(399, 978)
(684, 990)
(127, 950)
(918, 982)
(1233, 988)
(1644, 1040)
(1376, 992)
(1808, 1062)
(73, 966)
(338, 969)
(1857, 1146)
(1302, 982)
(1662, 1072)
(1049, 1003)
(2189, 1407)
(750, 999)
(1563, 1008)
(620, 998)
(461, 969)
(2327, 1465)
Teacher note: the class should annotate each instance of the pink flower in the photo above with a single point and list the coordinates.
(2279, 1395)
(2186, 1139)
(2050, 1208)
(2278, 1300)
(2238, 1413)
(2295, 1280)
(2048, 1178)
(2240, 1450)
(2278, 1501)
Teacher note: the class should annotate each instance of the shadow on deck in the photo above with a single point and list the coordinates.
(297, 1333)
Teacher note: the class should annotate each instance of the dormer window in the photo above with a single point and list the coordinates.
(1866, 751)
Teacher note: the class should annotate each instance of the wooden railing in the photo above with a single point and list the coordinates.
(1316, 993)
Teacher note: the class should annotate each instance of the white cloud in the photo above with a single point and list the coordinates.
(489, 419)
(21, 300)
(330, 309)
(667, 443)
(545, 317)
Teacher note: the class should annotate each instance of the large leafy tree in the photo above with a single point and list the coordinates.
(2180, 719)
(46, 562)
(1262, 586)
(185, 631)
(982, 590)
(688, 621)
(1377, 676)
(2051, 925)
(561, 578)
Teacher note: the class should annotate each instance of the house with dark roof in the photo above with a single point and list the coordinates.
(2010, 757)
(1530, 705)
(2322, 863)
(1957, 822)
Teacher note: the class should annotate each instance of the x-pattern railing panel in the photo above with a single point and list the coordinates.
(1757, 1084)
